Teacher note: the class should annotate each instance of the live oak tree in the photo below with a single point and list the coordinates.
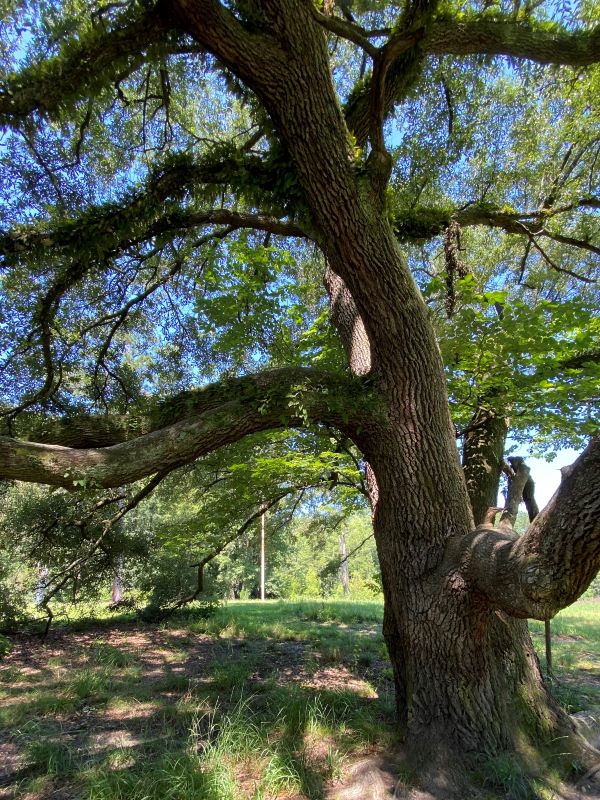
(234, 125)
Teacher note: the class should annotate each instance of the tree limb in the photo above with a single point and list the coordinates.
(423, 223)
(200, 422)
(547, 568)
(451, 36)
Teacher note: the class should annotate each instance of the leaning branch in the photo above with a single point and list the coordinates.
(549, 566)
(201, 422)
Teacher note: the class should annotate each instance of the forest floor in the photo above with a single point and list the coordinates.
(258, 701)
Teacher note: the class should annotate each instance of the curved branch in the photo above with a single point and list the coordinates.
(346, 30)
(489, 37)
(199, 422)
(85, 66)
(553, 562)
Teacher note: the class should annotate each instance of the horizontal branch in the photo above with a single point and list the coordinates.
(491, 37)
(150, 210)
(187, 427)
(84, 66)
(553, 563)
(422, 222)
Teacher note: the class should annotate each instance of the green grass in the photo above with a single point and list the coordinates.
(108, 722)
(575, 681)
(110, 656)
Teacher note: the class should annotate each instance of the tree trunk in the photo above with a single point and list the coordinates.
(483, 458)
(344, 571)
(117, 582)
(262, 556)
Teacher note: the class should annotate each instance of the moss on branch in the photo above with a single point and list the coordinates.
(85, 66)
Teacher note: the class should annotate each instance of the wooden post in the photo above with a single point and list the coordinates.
(344, 571)
(262, 555)
(548, 638)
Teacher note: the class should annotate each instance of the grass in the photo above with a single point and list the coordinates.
(260, 701)
(575, 681)
(112, 720)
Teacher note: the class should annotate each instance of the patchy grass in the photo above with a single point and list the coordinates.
(258, 702)
(575, 654)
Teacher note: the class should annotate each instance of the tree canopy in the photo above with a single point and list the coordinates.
(220, 219)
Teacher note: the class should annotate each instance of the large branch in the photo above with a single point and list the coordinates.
(422, 222)
(256, 57)
(553, 562)
(151, 210)
(85, 66)
(489, 37)
(199, 422)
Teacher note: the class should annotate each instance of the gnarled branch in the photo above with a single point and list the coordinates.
(547, 568)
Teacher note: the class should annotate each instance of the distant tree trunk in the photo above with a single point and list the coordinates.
(262, 555)
(40, 589)
(117, 582)
(344, 571)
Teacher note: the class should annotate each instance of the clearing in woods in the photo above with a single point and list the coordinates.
(261, 700)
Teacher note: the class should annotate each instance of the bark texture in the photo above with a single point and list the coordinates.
(483, 459)
(466, 677)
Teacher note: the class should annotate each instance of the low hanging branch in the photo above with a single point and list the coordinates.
(192, 425)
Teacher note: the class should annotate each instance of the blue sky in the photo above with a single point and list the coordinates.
(546, 475)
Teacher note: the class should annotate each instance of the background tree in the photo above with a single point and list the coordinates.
(234, 126)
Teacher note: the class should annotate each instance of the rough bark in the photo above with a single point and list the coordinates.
(518, 479)
(483, 459)
(466, 677)
(349, 324)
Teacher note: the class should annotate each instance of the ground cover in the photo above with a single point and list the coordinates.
(271, 700)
